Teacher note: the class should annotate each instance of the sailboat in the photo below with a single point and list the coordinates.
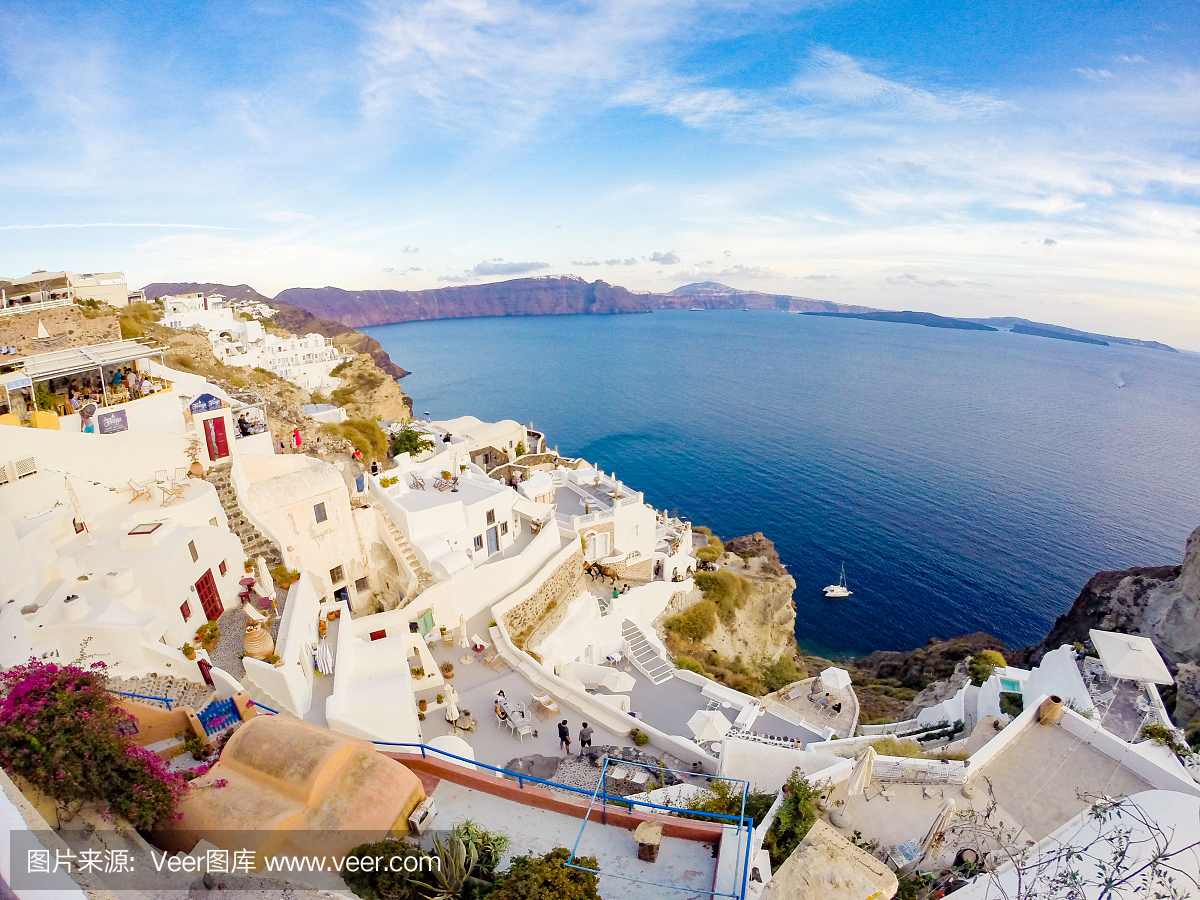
(839, 589)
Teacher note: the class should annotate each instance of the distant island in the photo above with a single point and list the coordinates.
(335, 309)
(908, 317)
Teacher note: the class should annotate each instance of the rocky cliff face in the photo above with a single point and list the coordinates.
(766, 623)
(546, 296)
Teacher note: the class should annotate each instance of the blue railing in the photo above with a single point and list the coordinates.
(255, 703)
(166, 700)
(741, 821)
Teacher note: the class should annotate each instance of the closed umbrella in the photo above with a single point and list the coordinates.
(709, 725)
(860, 777)
(452, 712)
(937, 830)
(833, 677)
(75, 504)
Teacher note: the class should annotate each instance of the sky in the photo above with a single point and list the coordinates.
(973, 159)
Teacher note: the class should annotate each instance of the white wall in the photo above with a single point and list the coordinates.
(291, 682)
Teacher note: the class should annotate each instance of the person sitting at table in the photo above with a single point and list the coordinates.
(147, 386)
(243, 425)
(823, 702)
(500, 697)
(837, 707)
(500, 713)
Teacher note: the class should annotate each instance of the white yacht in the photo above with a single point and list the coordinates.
(839, 589)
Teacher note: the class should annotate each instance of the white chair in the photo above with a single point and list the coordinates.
(139, 490)
(160, 476)
(171, 492)
(618, 773)
(522, 731)
(181, 475)
(639, 777)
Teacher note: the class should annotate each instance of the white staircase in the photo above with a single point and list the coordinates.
(403, 550)
(645, 655)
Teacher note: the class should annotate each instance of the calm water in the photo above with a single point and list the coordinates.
(968, 480)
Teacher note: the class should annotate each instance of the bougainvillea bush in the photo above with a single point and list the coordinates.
(61, 731)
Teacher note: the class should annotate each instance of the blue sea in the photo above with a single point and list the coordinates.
(967, 480)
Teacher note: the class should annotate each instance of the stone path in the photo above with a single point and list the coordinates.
(180, 691)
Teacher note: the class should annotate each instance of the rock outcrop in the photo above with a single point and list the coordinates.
(766, 623)
(545, 296)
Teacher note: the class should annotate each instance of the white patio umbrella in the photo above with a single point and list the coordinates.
(618, 682)
(860, 777)
(452, 712)
(833, 677)
(944, 817)
(462, 633)
(1128, 657)
(709, 725)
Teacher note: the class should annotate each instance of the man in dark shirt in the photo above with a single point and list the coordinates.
(585, 736)
(564, 736)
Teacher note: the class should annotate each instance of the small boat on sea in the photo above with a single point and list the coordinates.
(839, 589)
(697, 309)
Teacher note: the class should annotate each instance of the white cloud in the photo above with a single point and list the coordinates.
(1095, 74)
(669, 258)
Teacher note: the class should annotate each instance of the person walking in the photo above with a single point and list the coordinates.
(585, 736)
(564, 736)
(319, 447)
(282, 448)
(297, 439)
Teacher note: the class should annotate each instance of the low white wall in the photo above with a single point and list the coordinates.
(290, 683)
(110, 459)
(1132, 756)
(241, 487)
(714, 691)
(1058, 674)
(768, 766)
(589, 707)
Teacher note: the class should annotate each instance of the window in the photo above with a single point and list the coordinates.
(336, 574)
(224, 567)
(192, 547)
(479, 542)
(378, 635)
(491, 517)
(185, 610)
(319, 512)
(149, 528)
(504, 528)
(362, 585)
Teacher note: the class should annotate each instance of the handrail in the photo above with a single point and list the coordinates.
(522, 778)
(259, 705)
(166, 700)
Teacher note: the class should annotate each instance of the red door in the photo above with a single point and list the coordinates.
(210, 600)
(214, 433)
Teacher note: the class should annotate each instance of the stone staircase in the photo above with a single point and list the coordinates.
(179, 691)
(253, 541)
(421, 577)
(644, 655)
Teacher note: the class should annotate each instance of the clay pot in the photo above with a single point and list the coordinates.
(189, 652)
(422, 705)
(1051, 710)
(196, 470)
(257, 642)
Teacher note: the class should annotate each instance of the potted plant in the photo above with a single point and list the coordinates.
(422, 704)
(447, 474)
(275, 660)
(207, 635)
(440, 698)
(196, 469)
(189, 651)
(249, 565)
(448, 670)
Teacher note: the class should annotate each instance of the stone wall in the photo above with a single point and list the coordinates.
(68, 327)
(544, 609)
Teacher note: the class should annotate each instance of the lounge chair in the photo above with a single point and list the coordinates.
(139, 491)
(161, 476)
(545, 704)
(171, 492)
(417, 483)
(495, 660)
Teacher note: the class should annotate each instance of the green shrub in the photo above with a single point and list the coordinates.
(796, 816)
(364, 434)
(982, 665)
(725, 798)
(409, 440)
(521, 449)
(725, 589)
(1160, 734)
(1011, 703)
(639, 737)
(378, 885)
(709, 553)
(548, 878)
(695, 623)
(779, 673)
(689, 663)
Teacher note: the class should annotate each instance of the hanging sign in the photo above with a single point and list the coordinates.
(112, 421)
(205, 403)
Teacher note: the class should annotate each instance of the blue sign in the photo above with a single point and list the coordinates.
(206, 403)
(112, 421)
(15, 384)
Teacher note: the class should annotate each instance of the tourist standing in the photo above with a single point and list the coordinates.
(319, 447)
(282, 448)
(585, 736)
(297, 440)
(564, 736)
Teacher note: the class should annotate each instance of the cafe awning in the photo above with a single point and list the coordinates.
(59, 363)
